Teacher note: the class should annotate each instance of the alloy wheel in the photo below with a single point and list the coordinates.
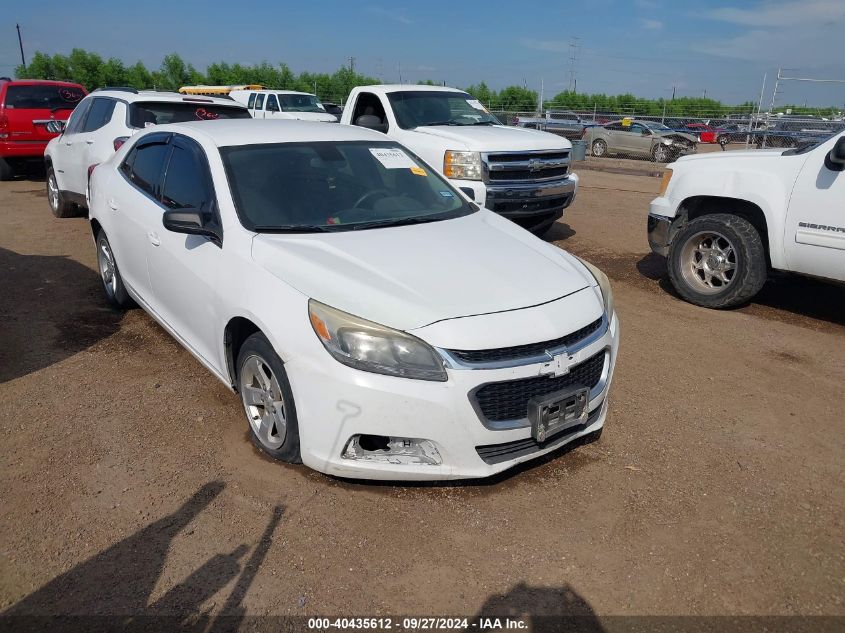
(262, 399)
(709, 262)
(108, 269)
(53, 192)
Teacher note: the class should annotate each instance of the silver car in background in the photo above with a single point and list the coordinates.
(638, 138)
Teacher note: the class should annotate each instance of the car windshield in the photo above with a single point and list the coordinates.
(147, 113)
(415, 108)
(335, 186)
(43, 97)
(657, 126)
(301, 103)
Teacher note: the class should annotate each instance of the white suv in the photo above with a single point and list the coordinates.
(102, 122)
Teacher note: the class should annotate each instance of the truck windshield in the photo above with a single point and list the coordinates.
(301, 103)
(146, 113)
(415, 108)
(335, 186)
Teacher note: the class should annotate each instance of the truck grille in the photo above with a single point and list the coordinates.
(526, 166)
(508, 400)
(525, 351)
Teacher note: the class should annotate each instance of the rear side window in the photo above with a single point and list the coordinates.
(43, 97)
(77, 118)
(99, 114)
(251, 103)
(186, 184)
(147, 166)
(259, 101)
(144, 114)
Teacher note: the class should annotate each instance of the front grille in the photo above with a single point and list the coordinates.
(508, 400)
(524, 351)
(497, 453)
(526, 166)
(528, 206)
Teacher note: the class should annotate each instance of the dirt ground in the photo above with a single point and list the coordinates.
(128, 483)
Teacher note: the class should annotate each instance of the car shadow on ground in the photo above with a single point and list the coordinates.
(559, 231)
(541, 608)
(113, 589)
(801, 296)
(52, 307)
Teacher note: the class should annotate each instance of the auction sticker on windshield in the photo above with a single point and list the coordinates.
(475, 103)
(393, 158)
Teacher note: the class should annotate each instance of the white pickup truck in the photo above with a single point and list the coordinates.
(521, 174)
(725, 219)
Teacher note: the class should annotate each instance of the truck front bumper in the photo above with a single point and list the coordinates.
(529, 204)
(659, 226)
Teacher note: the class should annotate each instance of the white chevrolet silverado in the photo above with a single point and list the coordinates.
(521, 174)
(724, 220)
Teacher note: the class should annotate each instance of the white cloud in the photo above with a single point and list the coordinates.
(651, 25)
(788, 13)
(391, 14)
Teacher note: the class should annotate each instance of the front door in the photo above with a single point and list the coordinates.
(814, 238)
(271, 107)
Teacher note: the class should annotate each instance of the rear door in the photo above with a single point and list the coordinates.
(258, 107)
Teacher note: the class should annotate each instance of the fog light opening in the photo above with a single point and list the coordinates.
(392, 450)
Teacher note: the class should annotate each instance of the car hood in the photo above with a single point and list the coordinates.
(754, 154)
(407, 277)
(312, 116)
(690, 137)
(495, 138)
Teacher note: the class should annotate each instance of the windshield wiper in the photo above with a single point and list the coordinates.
(294, 228)
(393, 222)
(440, 123)
(484, 123)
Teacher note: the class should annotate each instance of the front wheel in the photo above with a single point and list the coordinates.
(110, 274)
(599, 148)
(268, 400)
(717, 261)
(660, 153)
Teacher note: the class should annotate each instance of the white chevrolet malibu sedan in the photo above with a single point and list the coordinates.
(375, 322)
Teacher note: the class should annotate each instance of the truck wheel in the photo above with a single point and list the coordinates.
(717, 261)
(60, 207)
(6, 171)
(599, 148)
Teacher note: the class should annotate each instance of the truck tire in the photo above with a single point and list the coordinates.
(6, 171)
(599, 148)
(717, 261)
(60, 207)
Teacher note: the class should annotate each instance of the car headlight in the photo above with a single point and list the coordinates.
(668, 142)
(604, 286)
(462, 165)
(372, 347)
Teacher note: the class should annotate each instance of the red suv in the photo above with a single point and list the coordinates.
(26, 107)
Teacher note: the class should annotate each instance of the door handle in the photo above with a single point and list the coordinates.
(68, 143)
(155, 240)
(90, 141)
(112, 204)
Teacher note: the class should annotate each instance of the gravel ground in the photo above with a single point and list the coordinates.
(129, 485)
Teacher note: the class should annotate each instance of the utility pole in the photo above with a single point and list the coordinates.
(20, 43)
(540, 103)
(399, 64)
(673, 92)
(352, 64)
(573, 61)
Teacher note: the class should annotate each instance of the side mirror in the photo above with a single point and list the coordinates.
(836, 157)
(55, 127)
(371, 122)
(189, 222)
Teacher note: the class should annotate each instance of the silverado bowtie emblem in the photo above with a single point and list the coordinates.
(558, 366)
(535, 164)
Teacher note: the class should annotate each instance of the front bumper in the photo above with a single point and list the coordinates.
(336, 402)
(659, 226)
(529, 203)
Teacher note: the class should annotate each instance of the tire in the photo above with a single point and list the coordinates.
(717, 261)
(6, 171)
(113, 286)
(60, 207)
(268, 400)
(542, 229)
(599, 148)
(723, 140)
(660, 154)
(595, 436)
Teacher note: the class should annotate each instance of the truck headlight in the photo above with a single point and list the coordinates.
(372, 347)
(462, 165)
(604, 286)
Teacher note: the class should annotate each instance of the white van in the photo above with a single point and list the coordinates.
(283, 104)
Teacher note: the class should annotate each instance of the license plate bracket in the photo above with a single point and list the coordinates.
(555, 412)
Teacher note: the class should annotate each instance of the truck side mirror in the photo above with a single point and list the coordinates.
(371, 122)
(835, 160)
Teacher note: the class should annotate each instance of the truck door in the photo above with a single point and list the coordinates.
(258, 107)
(814, 238)
(271, 107)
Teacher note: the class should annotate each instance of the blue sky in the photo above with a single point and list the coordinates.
(640, 46)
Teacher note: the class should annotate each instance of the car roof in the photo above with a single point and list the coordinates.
(131, 96)
(385, 88)
(278, 91)
(39, 82)
(234, 132)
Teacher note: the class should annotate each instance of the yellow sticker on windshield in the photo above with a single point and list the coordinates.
(419, 171)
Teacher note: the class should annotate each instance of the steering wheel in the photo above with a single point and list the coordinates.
(384, 193)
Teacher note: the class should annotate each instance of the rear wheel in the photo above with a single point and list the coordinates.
(6, 171)
(717, 261)
(60, 207)
(599, 148)
(268, 400)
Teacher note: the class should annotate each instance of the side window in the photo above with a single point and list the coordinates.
(99, 115)
(368, 103)
(272, 104)
(613, 126)
(259, 101)
(186, 183)
(251, 102)
(126, 165)
(74, 123)
(147, 167)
